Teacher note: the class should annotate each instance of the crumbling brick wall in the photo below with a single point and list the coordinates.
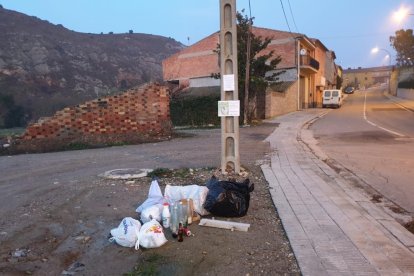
(138, 115)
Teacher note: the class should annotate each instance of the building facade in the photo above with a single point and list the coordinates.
(366, 77)
(306, 65)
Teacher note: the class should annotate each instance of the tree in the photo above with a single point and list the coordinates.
(262, 66)
(11, 115)
(339, 81)
(403, 43)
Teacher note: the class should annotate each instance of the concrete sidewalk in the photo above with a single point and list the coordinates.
(405, 103)
(333, 228)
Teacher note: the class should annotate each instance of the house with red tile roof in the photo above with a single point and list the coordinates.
(301, 56)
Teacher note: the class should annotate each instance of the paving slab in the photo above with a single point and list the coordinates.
(333, 228)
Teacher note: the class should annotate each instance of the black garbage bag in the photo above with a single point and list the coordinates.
(228, 198)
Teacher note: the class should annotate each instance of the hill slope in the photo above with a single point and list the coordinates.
(44, 67)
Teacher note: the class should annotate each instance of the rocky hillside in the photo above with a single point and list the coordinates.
(44, 67)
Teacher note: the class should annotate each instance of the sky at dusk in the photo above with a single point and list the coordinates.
(351, 28)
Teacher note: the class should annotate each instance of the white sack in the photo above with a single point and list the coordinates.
(126, 234)
(151, 235)
(154, 197)
(197, 193)
(152, 212)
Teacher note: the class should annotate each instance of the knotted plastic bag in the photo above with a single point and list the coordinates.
(154, 197)
(228, 198)
(151, 235)
(126, 234)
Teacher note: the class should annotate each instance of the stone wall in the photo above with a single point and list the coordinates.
(138, 115)
(393, 85)
(405, 93)
(281, 102)
(401, 75)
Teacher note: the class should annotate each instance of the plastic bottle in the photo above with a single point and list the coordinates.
(174, 219)
(183, 212)
(166, 216)
(190, 211)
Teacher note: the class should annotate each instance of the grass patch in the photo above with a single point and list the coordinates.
(177, 173)
(149, 267)
(167, 173)
(17, 131)
(77, 146)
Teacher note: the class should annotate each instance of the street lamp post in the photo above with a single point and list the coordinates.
(402, 14)
(376, 50)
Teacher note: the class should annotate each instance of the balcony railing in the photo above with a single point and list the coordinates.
(307, 60)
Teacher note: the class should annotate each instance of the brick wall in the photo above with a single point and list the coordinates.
(138, 115)
(200, 60)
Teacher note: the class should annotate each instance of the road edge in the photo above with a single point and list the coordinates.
(306, 138)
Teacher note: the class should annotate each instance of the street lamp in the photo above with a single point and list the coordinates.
(376, 50)
(401, 14)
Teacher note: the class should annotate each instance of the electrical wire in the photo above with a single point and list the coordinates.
(294, 21)
(284, 13)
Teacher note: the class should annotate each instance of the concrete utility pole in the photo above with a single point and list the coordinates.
(229, 105)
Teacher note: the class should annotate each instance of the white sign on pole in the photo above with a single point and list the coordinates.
(228, 82)
(228, 108)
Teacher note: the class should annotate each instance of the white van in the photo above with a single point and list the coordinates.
(332, 97)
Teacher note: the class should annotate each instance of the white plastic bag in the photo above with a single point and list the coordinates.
(197, 193)
(151, 235)
(154, 197)
(152, 212)
(126, 234)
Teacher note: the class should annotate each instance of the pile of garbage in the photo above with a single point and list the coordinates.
(179, 207)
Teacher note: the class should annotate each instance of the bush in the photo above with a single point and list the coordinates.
(409, 84)
(195, 111)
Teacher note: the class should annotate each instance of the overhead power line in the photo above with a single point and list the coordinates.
(284, 13)
(293, 17)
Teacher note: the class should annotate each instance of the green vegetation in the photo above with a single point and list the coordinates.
(194, 111)
(409, 84)
(178, 173)
(149, 267)
(78, 146)
(403, 43)
(11, 114)
(258, 71)
(168, 173)
(17, 131)
(339, 81)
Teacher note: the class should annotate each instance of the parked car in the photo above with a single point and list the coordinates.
(349, 90)
(332, 98)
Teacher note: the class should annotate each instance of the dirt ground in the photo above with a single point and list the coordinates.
(64, 231)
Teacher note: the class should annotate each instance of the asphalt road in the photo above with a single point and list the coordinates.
(27, 176)
(373, 137)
